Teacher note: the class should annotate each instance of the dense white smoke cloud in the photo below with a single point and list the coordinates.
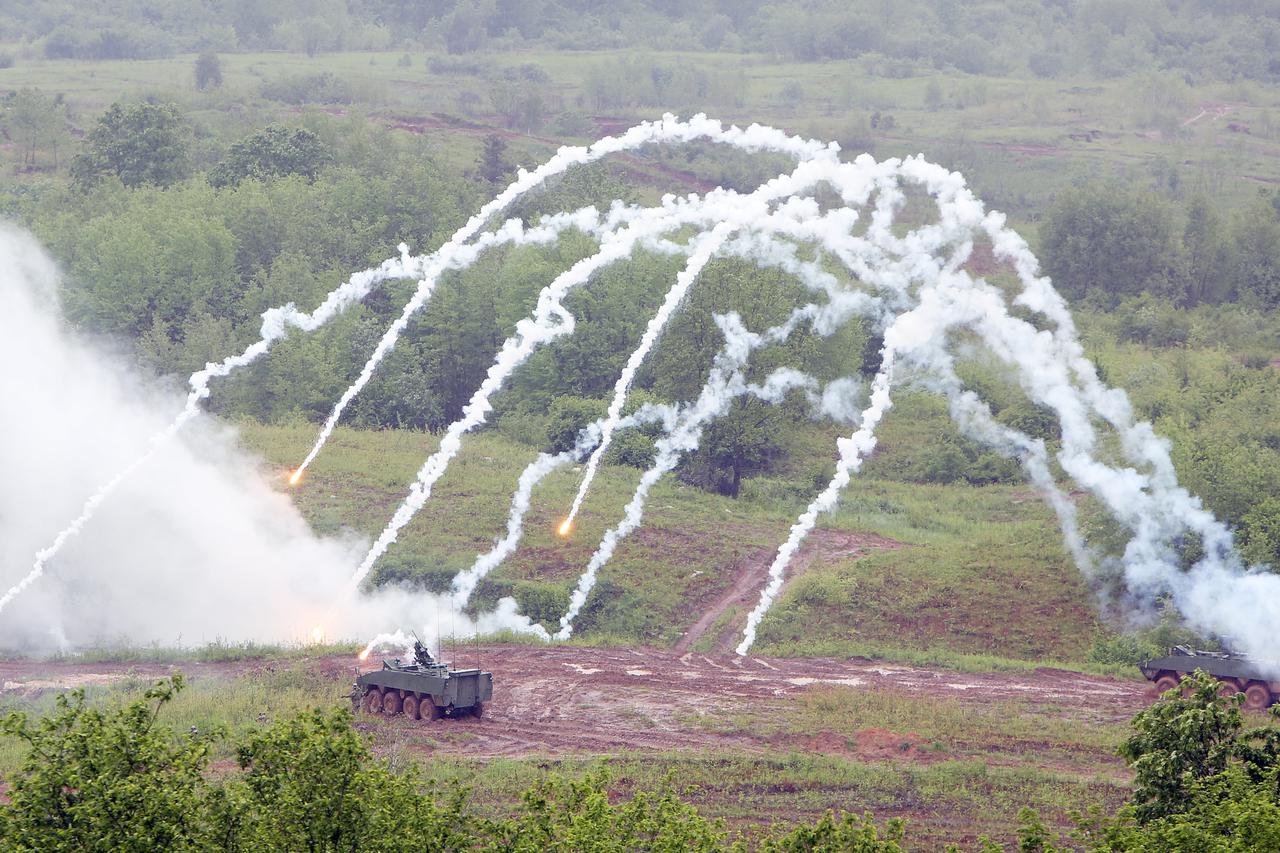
(195, 547)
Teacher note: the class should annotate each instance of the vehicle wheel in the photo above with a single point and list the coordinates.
(373, 701)
(391, 703)
(428, 710)
(1166, 682)
(478, 709)
(1257, 696)
(410, 706)
(1228, 687)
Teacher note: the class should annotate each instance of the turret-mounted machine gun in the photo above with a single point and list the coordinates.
(422, 688)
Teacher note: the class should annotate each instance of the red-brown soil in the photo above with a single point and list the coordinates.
(555, 700)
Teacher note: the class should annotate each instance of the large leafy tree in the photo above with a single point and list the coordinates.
(272, 152)
(138, 143)
(1113, 244)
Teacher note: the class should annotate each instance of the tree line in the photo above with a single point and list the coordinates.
(1202, 39)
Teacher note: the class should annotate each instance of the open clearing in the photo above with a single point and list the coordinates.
(552, 700)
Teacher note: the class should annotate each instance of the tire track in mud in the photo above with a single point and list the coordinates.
(558, 700)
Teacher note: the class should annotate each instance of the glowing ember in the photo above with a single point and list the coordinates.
(364, 655)
(295, 478)
(566, 527)
(317, 634)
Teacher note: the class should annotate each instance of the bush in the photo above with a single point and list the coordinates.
(322, 88)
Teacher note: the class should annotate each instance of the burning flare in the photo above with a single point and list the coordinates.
(317, 635)
(566, 527)
(295, 478)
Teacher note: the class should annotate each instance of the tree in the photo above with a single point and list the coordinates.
(38, 122)
(1257, 256)
(272, 152)
(494, 166)
(1096, 240)
(1208, 271)
(310, 784)
(140, 143)
(1178, 742)
(208, 71)
(106, 780)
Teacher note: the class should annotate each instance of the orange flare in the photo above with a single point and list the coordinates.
(295, 477)
(566, 526)
(317, 634)
(364, 655)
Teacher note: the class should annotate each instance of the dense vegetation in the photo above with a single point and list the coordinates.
(310, 782)
(1204, 40)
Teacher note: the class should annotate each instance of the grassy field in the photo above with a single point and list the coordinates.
(1017, 140)
(968, 548)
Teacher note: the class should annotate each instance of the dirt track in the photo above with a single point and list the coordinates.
(555, 700)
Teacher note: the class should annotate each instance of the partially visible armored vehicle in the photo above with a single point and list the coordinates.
(1235, 674)
(422, 688)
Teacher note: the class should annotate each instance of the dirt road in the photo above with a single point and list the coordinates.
(555, 700)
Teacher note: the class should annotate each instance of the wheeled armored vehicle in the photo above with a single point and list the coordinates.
(422, 688)
(1235, 674)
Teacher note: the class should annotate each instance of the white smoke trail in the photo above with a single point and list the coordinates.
(464, 583)
(756, 245)
(551, 320)
(853, 451)
(275, 323)
(725, 384)
(668, 130)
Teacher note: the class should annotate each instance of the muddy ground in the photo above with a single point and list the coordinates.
(556, 700)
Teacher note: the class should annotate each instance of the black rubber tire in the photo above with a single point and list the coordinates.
(1166, 682)
(428, 710)
(477, 710)
(391, 703)
(410, 706)
(373, 701)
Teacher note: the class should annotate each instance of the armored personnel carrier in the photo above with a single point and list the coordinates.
(422, 689)
(1235, 674)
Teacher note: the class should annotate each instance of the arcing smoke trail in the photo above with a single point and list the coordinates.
(464, 583)
(669, 130)
(551, 320)
(852, 451)
(725, 384)
(756, 245)
(275, 323)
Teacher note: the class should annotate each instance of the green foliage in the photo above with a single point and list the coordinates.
(1178, 742)
(577, 815)
(1260, 540)
(309, 784)
(272, 152)
(106, 780)
(139, 143)
(845, 833)
(1098, 241)
(208, 71)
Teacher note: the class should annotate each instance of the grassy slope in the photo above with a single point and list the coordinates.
(985, 573)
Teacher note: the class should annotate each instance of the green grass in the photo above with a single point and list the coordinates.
(1018, 140)
(984, 582)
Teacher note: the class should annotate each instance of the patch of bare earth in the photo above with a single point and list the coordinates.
(751, 574)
